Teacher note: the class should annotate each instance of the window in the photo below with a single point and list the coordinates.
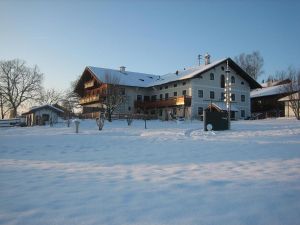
(160, 112)
(200, 93)
(122, 91)
(184, 92)
(146, 98)
(222, 81)
(175, 85)
(152, 112)
(223, 68)
(200, 111)
(160, 88)
(161, 96)
(242, 83)
(242, 113)
(166, 95)
(153, 97)
(212, 95)
(139, 97)
(183, 83)
(232, 79)
(222, 96)
(175, 93)
(243, 98)
(232, 97)
(212, 76)
(166, 87)
(129, 108)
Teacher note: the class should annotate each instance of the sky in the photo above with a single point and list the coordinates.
(157, 37)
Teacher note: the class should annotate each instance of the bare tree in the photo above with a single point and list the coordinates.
(4, 107)
(19, 83)
(49, 96)
(70, 101)
(279, 76)
(114, 95)
(251, 63)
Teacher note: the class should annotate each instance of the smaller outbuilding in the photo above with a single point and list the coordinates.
(291, 105)
(43, 115)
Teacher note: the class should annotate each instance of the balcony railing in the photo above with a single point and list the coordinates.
(161, 103)
(100, 90)
(89, 99)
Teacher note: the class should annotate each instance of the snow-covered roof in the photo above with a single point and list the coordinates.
(295, 96)
(185, 74)
(268, 91)
(222, 106)
(135, 79)
(128, 78)
(35, 108)
(275, 90)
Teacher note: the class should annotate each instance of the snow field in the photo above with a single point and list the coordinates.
(168, 174)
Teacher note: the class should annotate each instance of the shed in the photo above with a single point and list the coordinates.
(42, 115)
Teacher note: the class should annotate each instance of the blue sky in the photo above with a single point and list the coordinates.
(62, 37)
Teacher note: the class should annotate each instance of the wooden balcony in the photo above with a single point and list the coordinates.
(89, 99)
(100, 90)
(162, 103)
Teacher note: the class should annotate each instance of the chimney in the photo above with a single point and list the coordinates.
(122, 69)
(207, 59)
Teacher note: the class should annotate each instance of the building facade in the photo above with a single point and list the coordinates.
(184, 93)
(42, 115)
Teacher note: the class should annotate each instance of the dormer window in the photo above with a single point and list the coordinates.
(141, 79)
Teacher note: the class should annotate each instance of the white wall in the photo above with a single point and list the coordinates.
(49, 112)
(208, 85)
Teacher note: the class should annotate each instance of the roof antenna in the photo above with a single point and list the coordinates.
(199, 58)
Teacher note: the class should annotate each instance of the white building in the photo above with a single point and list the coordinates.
(185, 93)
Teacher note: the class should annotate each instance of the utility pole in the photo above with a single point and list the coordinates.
(227, 94)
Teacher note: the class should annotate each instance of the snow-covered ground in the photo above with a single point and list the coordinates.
(168, 174)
